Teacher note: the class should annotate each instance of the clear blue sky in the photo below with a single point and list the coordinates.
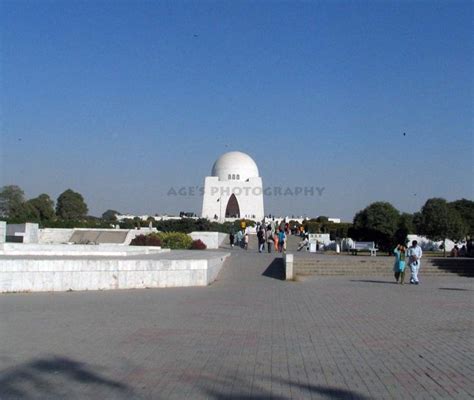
(122, 100)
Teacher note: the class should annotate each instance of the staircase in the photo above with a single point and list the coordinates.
(381, 266)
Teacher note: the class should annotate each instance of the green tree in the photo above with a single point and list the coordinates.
(312, 226)
(465, 208)
(127, 223)
(439, 221)
(378, 222)
(71, 206)
(110, 215)
(43, 207)
(338, 231)
(417, 220)
(322, 219)
(12, 199)
(138, 222)
(405, 227)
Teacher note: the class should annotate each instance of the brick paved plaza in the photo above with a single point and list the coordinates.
(249, 335)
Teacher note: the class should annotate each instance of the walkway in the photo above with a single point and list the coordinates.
(247, 336)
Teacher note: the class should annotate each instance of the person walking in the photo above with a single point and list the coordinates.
(269, 237)
(275, 239)
(414, 261)
(246, 241)
(281, 240)
(400, 254)
(231, 239)
(303, 244)
(238, 240)
(261, 239)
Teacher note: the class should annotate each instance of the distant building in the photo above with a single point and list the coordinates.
(234, 189)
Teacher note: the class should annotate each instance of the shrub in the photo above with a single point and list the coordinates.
(198, 245)
(152, 239)
(175, 240)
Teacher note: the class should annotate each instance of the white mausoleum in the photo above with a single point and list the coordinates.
(234, 190)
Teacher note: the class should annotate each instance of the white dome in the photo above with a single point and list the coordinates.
(235, 165)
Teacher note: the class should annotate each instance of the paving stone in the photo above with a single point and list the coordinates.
(249, 335)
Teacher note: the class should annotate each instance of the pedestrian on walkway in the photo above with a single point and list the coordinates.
(269, 238)
(239, 239)
(414, 260)
(246, 241)
(231, 239)
(304, 243)
(261, 239)
(281, 240)
(400, 254)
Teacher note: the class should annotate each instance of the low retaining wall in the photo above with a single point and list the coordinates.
(55, 235)
(65, 235)
(213, 240)
(333, 265)
(78, 250)
(23, 233)
(25, 274)
(289, 270)
(3, 231)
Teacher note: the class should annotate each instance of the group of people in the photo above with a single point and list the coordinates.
(410, 256)
(241, 239)
(267, 236)
(459, 252)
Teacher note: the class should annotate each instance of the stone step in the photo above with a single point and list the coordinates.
(344, 265)
(357, 270)
(331, 273)
(373, 272)
(370, 274)
(300, 267)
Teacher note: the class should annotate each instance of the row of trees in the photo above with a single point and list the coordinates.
(70, 206)
(380, 222)
(185, 225)
(323, 225)
(437, 220)
(71, 210)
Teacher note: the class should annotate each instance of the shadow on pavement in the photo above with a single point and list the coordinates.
(460, 266)
(456, 289)
(56, 377)
(374, 281)
(245, 392)
(276, 269)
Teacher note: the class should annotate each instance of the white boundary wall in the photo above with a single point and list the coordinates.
(79, 250)
(63, 235)
(28, 231)
(56, 274)
(289, 271)
(55, 235)
(3, 231)
(213, 240)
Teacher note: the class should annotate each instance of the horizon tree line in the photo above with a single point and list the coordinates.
(380, 221)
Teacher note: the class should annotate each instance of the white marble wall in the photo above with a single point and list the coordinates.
(3, 231)
(63, 235)
(213, 240)
(249, 195)
(55, 274)
(29, 231)
(55, 235)
(79, 250)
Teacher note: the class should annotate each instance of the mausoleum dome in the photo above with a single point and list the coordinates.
(235, 165)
